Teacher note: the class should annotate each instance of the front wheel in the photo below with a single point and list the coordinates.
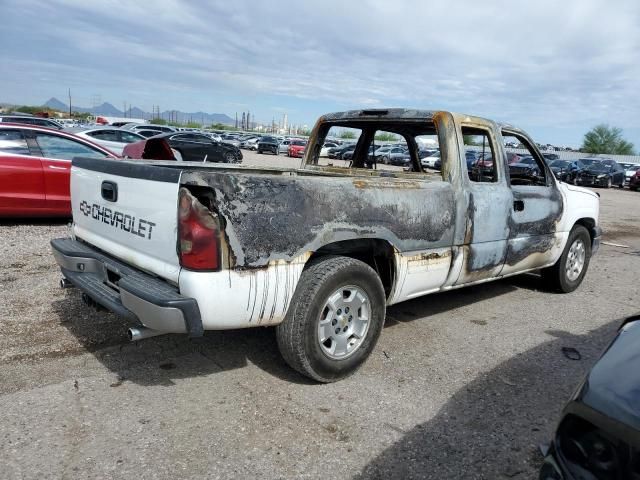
(609, 183)
(334, 320)
(569, 271)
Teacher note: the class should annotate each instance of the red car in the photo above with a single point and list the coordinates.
(34, 169)
(634, 182)
(296, 148)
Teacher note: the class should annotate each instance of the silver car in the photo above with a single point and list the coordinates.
(114, 139)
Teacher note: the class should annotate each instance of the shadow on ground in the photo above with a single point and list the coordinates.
(491, 428)
(160, 360)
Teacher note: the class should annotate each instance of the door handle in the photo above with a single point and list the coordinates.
(518, 205)
(109, 191)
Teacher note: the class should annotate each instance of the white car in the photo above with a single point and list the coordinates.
(114, 139)
(430, 161)
(324, 151)
(630, 170)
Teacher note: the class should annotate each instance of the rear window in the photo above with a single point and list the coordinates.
(370, 146)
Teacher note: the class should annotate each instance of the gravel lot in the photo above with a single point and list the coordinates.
(464, 384)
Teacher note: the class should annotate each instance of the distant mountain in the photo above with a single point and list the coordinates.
(109, 110)
(56, 104)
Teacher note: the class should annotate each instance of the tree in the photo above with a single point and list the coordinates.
(158, 121)
(347, 134)
(605, 139)
(386, 137)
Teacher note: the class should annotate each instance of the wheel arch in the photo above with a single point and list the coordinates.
(379, 254)
(590, 224)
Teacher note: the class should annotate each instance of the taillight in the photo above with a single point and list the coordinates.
(198, 234)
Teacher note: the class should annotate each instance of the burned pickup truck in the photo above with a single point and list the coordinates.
(320, 250)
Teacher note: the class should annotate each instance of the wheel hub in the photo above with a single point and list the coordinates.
(575, 260)
(344, 322)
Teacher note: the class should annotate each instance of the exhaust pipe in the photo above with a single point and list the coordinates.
(140, 333)
(64, 283)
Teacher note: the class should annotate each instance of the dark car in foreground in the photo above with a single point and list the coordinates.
(601, 173)
(268, 144)
(188, 147)
(598, 436)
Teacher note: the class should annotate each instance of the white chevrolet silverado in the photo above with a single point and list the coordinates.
(321, 250)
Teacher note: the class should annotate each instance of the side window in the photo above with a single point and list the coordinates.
(53, 146)
(479, 155)
(128, 137)
(13, 141)
(106, 135)
(525, 166)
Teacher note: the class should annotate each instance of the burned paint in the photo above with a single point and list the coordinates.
(276, 217)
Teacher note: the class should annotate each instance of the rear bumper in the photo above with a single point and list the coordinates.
(126, 291)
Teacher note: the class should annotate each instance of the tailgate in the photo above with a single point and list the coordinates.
(129, 210)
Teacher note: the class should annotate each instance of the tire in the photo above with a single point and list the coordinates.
(259, 152)
(321, 293)
(609, 183)
(230, 157)
(556, 277)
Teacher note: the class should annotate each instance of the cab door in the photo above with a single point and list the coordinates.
(534, 240)
(22, 190)
(488, 202)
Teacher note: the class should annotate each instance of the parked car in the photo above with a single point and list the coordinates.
(634, 181)
(148, 133)
(269, 144)
(250, 143)
(561, 169)
(283, 146)
(148, 126)
(31, 120)
(601, 173)
(598, 436)
(185, 146)
(395, 156)
(337, 152)
(524, 172)
(630, 169)
(324, 151)
(115, 139)
(318, 251)
(34, 169)
(551, 156)
(430, 160)
(296, 148)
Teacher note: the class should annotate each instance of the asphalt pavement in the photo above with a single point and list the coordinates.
(465, 384)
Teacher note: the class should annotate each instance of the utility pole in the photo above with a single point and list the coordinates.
(69, 103)
(236, 120)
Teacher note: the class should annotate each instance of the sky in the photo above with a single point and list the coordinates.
(555, 69)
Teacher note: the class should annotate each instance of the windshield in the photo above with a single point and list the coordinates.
(559, 164)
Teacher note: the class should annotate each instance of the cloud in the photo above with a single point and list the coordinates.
(573, 63)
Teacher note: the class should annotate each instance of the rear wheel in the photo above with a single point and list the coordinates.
(230, 157)
(334, 319)
(567, 273)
